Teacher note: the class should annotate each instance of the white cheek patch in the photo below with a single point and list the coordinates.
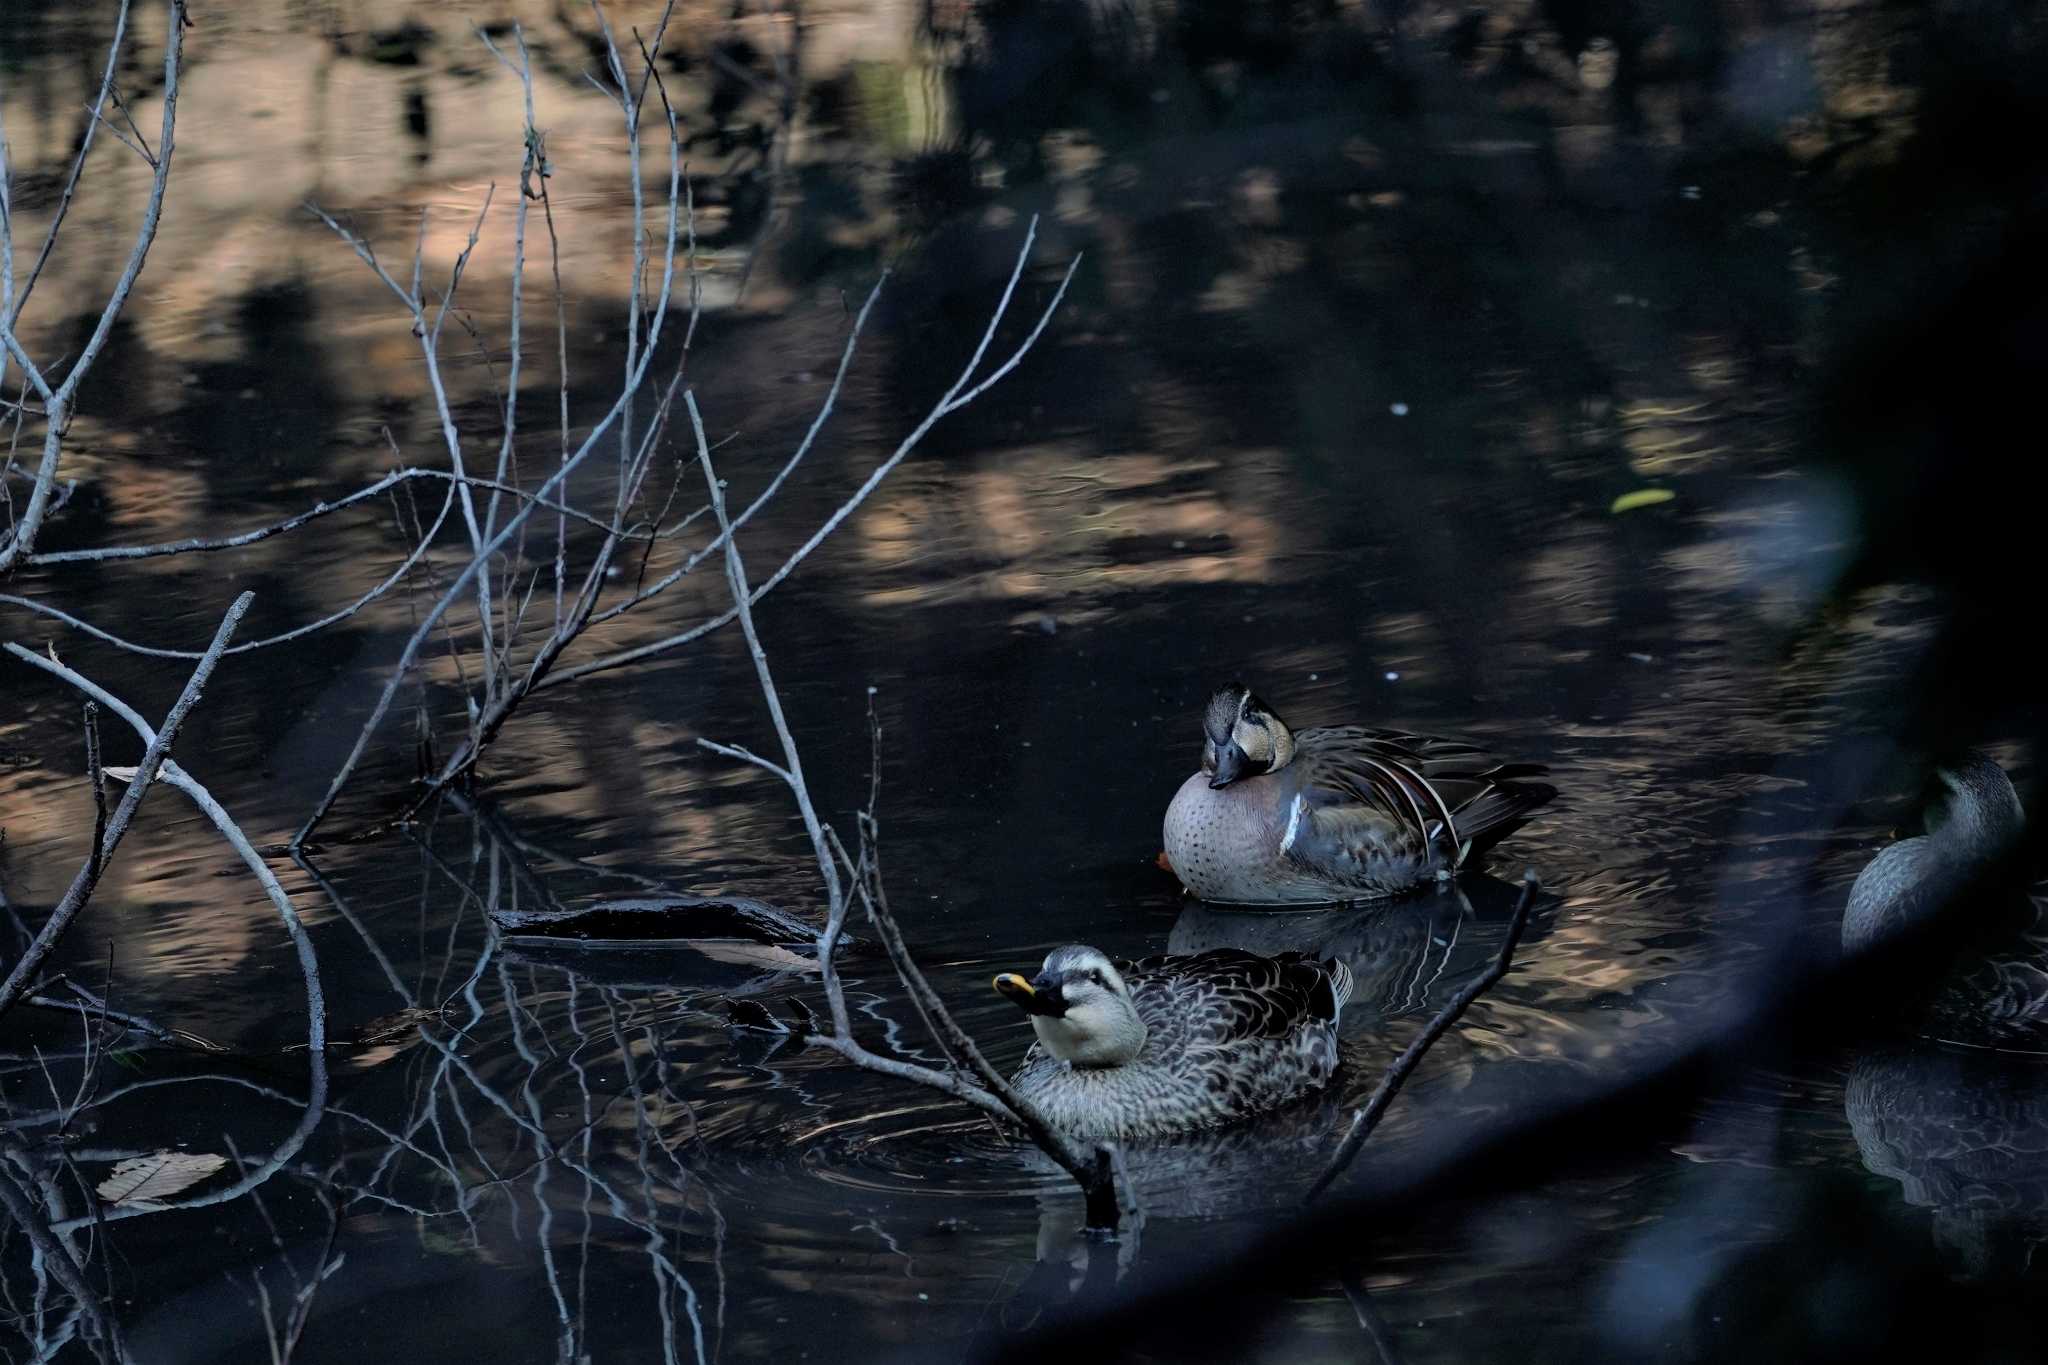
(1293, 823)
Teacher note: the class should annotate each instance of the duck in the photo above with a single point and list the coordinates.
(1172, 1044)
(1996, 993)
(1343, 813)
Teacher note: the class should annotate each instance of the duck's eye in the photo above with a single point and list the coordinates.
(1096, 977)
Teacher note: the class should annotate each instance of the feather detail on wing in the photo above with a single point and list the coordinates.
(1438, 791)
(1226, 995)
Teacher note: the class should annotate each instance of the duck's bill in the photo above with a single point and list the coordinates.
(1230, 765)
(1030, 998)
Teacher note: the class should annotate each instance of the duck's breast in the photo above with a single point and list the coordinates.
(1223, 843)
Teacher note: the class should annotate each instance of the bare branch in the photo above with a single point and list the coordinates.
(204, 545)
(994, 1094)
(479, 563)
(153, 758)
(1368, 1118)
(58, 402)
(736, 577)
(746, 755)
(952, 400)
(13, 308)
(138, 778)
(781, 476)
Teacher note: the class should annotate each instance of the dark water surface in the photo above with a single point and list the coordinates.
(1374, 323)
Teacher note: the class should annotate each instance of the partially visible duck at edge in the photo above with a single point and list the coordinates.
(1277, 816)
(1997, 993)
(1174, 1044)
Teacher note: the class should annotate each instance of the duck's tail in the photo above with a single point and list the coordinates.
(1502, 805)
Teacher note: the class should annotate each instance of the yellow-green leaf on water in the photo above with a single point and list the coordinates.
(1642, 497)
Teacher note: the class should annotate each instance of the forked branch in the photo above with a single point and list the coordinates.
(153, 758)
(59, 397)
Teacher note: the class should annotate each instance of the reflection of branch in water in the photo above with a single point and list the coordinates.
(54, 1256)
(1370, 1322)
(457, 1108)
(283, 1336)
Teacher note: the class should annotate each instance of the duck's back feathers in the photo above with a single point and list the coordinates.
(1436, 788)
(1226, 995)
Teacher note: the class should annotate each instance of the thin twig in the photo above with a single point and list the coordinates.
(205, 545)
(955, 398)
(20, 300)
(154, 756)
(57, 402)
(95, 777)
(803, 448)
(1368, 1118)
(994, 1094)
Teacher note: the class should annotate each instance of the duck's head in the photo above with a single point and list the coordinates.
(1974, 819)
(1981, 816)
(1080, 1007)
(1242, 736)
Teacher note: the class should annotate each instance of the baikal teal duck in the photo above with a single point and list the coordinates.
(1343, 813)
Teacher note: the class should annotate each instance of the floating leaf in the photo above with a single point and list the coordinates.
(767, 955)
(1642, 497)
(151, 1179)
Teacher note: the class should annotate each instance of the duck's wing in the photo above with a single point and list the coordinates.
(1405, 791)
(1227, 996)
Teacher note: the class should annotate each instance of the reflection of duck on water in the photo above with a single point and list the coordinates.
(1996, 995)
(1400, 954)
(1966, 1136)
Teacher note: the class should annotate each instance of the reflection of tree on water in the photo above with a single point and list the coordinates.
(502, 1107)
(1966, 1136)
